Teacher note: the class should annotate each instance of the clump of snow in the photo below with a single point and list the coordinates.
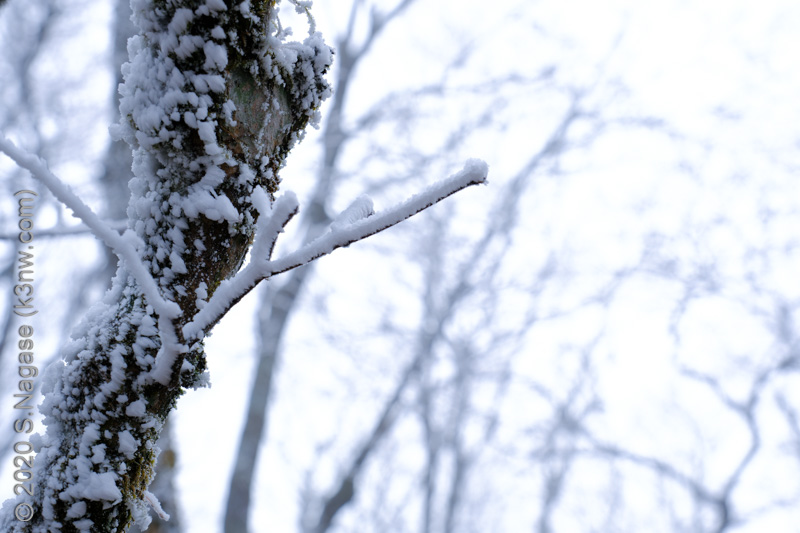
(102, 487)
(99, 454)
(136, 408)
(141, 517)
(212, 207)
(84, 525)
(76, 510)
(127, 444)
(361, 208)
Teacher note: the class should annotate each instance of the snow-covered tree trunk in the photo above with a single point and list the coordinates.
(213, 100)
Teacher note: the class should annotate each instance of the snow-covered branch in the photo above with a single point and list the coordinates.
(272, 220)
(357, 222)
(343, 234)
(121, 244)
(60, 231)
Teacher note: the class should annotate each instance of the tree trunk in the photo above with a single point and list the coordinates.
(213, 101)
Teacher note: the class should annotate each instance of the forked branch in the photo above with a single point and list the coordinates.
(354, 224)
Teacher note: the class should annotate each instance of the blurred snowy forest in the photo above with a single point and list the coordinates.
(603, 339)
